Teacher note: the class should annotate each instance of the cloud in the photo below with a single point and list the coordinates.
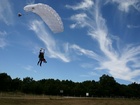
(80, 20)
(81, 17)
(124, 65)
(83, 5)
(132, 26)
(137, 5)
(3, 42)
(89, 53)
(30, 1)
(29, 68)
(88, 65)
(6, 13)
(53, 50)
(4, 33)
(124, 5)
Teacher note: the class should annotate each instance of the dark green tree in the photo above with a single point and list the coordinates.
(16, 85)
(134, 90)
(5, 82)
(107, 86)
(29, 85)
(67, 87)
(90, 87)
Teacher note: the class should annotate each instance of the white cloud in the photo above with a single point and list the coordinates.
(88, 65)
(30, 1)
(3, 42)
(123, 65)
(29, 68)
(6, 14)
(137, 5)
(124, 5)
(3, 33)
(80, 20)
(86, 52)
(83, 5)
(53, 50)
(132, 26)
(81, 17)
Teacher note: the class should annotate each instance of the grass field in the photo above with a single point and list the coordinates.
(51, 100)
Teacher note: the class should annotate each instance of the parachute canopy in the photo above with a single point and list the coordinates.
(48, 15)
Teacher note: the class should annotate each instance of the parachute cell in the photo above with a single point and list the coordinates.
(48, 15)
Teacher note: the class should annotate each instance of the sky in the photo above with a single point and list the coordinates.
(99, 37)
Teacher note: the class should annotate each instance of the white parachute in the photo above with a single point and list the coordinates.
(48, 15)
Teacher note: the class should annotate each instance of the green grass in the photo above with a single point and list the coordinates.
(56, 100)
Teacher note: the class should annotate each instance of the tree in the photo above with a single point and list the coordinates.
(108, 86)
(90, 87)
(16, 84)
(67, 87)
(134, 90)
(28, 85)
(5, 82)
(105, 87)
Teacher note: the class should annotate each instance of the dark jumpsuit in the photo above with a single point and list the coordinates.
(41, 57)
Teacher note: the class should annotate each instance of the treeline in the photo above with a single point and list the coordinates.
(105, 87)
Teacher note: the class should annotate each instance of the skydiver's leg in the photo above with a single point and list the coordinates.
(40, 62)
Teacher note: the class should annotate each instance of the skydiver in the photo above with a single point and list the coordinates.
(41, 57)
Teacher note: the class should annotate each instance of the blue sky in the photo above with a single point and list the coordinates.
(99, 37)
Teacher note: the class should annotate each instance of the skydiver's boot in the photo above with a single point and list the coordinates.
(38, 63)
